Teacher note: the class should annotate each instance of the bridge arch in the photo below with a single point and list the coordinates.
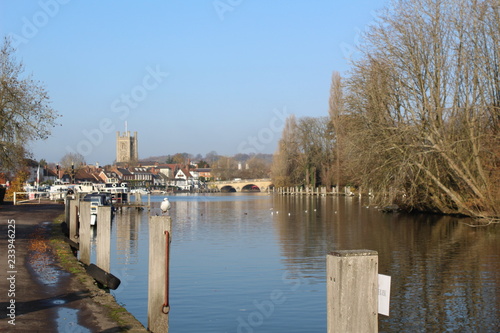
(245, 185)
(250, 188)
(227, 189)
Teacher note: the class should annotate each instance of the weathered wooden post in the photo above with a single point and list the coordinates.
(84, 248)
(73, 221)
(103, 239)
(158, 289)
(352, 291)
(67, 200)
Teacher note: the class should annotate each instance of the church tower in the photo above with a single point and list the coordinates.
(126, 147)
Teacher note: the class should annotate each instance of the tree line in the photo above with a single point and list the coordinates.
(416, 119)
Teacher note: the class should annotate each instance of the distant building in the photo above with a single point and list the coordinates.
(205, 173)
(109, 177)
(126, 147)
(87, 174)
(142, 177)
(186, 181)
(123, 174)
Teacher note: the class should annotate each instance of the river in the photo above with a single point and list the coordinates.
(257, 263)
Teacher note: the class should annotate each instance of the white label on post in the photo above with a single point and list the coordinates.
(384, 293)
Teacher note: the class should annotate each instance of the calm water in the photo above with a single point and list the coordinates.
(257, 263)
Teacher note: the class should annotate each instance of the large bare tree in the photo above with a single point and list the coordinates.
(25, 112)
(423, 104)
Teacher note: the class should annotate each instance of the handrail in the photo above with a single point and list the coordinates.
(21, 201)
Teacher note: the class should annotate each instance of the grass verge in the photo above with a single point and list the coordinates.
(67, 260)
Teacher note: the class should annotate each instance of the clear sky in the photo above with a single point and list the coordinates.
(188, 76)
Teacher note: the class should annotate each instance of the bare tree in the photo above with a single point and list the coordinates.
(336, 106)
(71, 163)
(25, 112)
(315, 145)
(423, 102)
(225, 168)
(285, 169)
(254, 168)
(305, 155)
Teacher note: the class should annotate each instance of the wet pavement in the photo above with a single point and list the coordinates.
(36, 294)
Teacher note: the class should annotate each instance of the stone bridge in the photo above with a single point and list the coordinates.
(242, 185)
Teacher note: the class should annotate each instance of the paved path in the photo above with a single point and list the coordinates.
(42, 297)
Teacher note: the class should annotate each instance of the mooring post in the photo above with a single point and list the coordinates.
(352, 291)
(84, 247)
(73, 221)
(103, 239)
(67, 200)
(158, 277)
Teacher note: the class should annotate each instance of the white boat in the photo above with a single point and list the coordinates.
(97, 200)
(85, 187)
(119, 192)
(58, 190)
(141, 191)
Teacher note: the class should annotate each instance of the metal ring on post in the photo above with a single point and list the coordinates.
(166, 307)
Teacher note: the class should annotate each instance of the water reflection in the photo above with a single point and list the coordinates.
(445, 274)
(231, 252)
(128, 224)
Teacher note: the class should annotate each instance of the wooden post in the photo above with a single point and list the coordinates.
(158, 306)
(352, 291)
(73, 221)
(67, 200)
(84, 248)
(103, 246)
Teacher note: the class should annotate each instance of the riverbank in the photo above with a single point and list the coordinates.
(43, 287)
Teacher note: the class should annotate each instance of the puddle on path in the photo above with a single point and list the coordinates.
(67, 321)
(40, 256)
(41, 260)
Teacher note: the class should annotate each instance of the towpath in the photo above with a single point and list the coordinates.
(36, 294)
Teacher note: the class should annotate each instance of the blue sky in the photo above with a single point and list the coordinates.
(188, 76)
